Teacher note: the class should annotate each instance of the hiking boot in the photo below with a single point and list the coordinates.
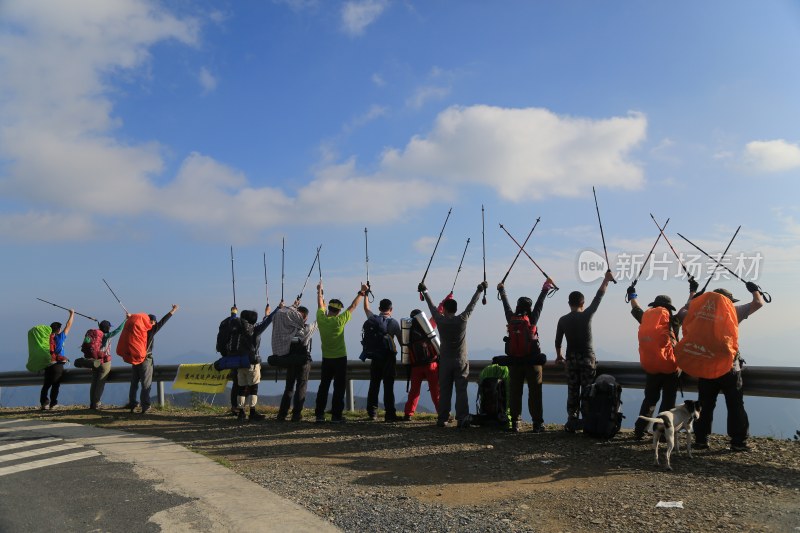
(338, 420)
(240, 415)
(406, 418)
(44, 407)
(255, 415)
(145, 409)
(234, 411)
(700, 445)
(319, 419)
(637, 435)
(571, 425)
(96, 407)
(538, 428)
(130, 406)
(297, 418)
(53, 405)
(740, 447)
(441, 423)
(464, 424)
(391, 418)
(373, 416)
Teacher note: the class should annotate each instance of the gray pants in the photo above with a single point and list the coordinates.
(141, 373)
(453, 372)
(99, 376)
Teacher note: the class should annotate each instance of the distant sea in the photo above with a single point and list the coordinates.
(772, 417)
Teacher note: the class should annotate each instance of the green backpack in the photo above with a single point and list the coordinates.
(494, 396)
(38, 348)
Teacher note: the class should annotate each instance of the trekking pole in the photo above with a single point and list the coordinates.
(369, 295)
(717, 263)
(283, 256)
(120, 303)
(678, 257)
(483, 238)
(310, 270)
(602, 236)
(434, 251)
(319, 266)
(765, 295)
(627, 298)
(67, 309)
(519, 252)
(552, 291)
(233, 279)
(266, 284)
(459, 266)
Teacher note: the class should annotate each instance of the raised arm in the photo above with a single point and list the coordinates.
(69, 322)
(501, 288)
(361, 293)
(539, 305)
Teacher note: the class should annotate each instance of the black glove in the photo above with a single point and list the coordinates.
(751, 287)
(693, 285)
(631, 290)
(483, 285)
(421, 287)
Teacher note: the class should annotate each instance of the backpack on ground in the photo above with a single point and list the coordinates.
(523, 339)
(38, 348)
(375, 338)
(92, 343)
(604, 401)
(132, 345)
(710, 337)
(656, 353)
(492, 404)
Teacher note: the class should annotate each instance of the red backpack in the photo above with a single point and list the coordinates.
(522, 339)
(92, 342)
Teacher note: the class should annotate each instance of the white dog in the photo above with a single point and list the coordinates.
(669, 423)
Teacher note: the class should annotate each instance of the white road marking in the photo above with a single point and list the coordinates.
(26, 443)
(48, 462)
(39, 451)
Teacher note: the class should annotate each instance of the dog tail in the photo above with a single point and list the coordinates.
(651, 420)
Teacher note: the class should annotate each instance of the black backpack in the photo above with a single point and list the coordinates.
(604, 401)
(491, 402)
(375, 338)
(229, 336)
(420, 350)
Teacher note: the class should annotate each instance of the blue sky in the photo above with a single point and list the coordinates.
(139, 140)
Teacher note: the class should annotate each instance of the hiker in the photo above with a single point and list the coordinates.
(100, 373)
(580, 361)
(334, 352)
(424, 362)
(248, 378)
(453, 359)
(522, 367)
(291, 334)
(234, 372)
(730, 384)
(658, 334)
(381, 336)
(55, 371)
(143, 372)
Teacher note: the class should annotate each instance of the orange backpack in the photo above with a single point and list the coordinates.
(655, 342)
(710, 337)
(132, 345)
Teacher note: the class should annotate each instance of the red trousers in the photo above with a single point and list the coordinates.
(418, 373)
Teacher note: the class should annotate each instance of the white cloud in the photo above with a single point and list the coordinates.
(45, 226)
(425, 94)
(772, 156)
(299, 5)
(424, 245)
(207, 80)
(357, 15)
(523, 153)
(378, 80)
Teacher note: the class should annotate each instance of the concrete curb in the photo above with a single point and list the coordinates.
(222, 499)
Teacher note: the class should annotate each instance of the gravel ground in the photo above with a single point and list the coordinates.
(374, 476)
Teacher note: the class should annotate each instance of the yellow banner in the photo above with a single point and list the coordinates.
(201, 378)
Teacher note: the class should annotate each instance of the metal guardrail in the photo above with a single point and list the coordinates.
(776, 382)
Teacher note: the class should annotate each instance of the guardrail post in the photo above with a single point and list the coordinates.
(348, 396)
(160, 388)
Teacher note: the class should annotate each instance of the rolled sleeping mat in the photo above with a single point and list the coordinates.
(405, 336)
(432, 334)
